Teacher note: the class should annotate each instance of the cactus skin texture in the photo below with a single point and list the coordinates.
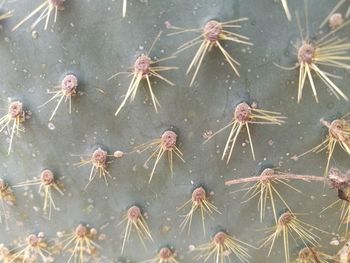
(92, 41)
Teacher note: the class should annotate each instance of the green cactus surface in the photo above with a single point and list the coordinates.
(50, 154)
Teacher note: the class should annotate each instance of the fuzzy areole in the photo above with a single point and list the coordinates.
(336, 20)
(199, 195)
(69, 85)
(219, 238)
(15, 109)
(306, 53)
(285, 219)
(134, 213)
(168, 140)
(47, 177)
(212, 30)
(81, 231)
(57, 3)
(32, 240)
(99, 158)
(165, 253)
(242, 112)
(336, 130)
(142, 65)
